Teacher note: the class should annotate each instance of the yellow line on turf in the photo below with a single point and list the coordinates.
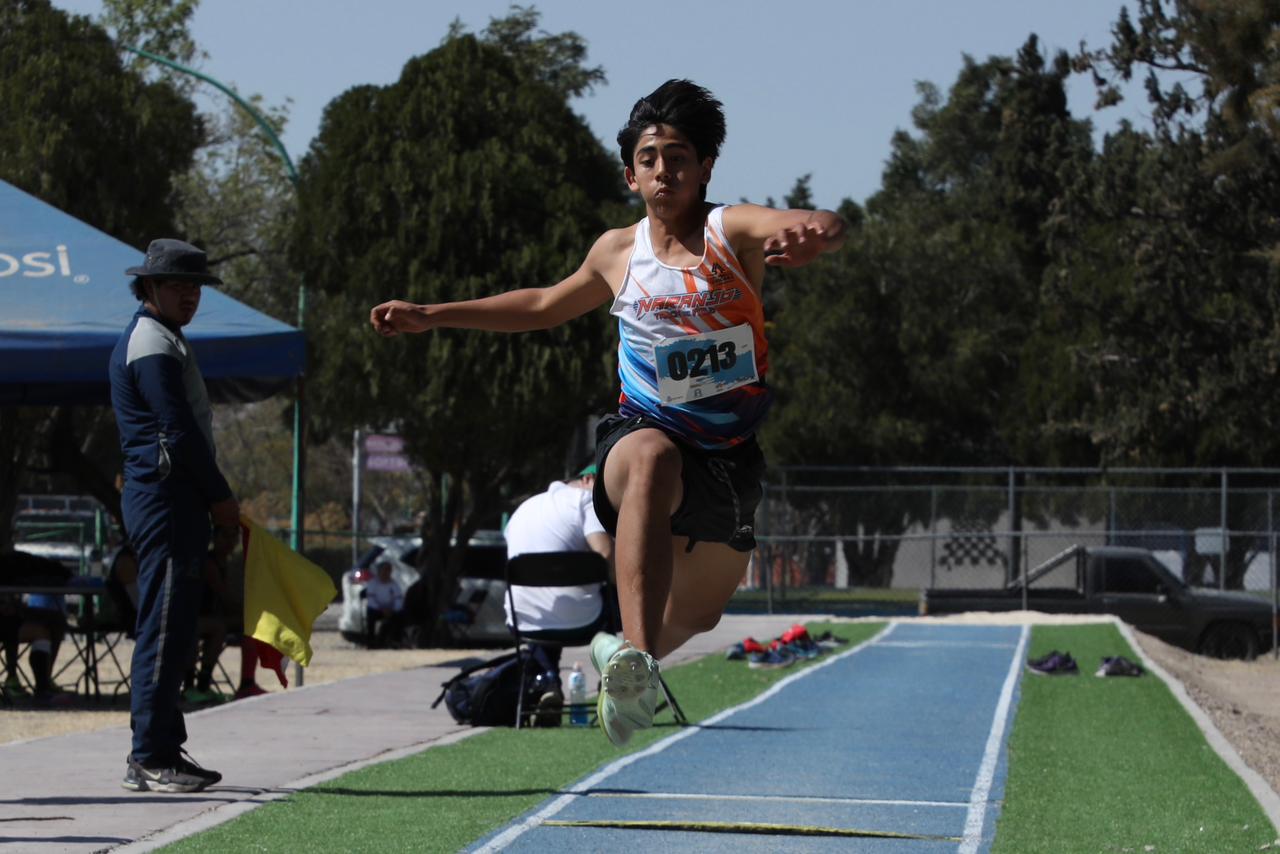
(749, 827)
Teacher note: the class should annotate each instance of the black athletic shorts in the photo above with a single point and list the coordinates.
(721, 488)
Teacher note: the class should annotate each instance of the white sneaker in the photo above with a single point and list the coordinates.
(628, 687)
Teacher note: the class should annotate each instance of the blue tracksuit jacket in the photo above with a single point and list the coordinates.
(162, 409)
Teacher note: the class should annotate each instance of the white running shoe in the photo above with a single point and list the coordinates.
(628, 687)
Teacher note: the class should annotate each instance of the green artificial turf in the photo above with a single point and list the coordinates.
(446, 798)
(1115, 764)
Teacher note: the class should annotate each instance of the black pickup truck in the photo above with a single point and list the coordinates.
(1137, 588)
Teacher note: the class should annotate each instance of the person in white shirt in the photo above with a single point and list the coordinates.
(561, 519)
(384, 600)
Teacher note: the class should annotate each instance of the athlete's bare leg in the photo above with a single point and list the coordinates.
(702, 582)
(642, 480)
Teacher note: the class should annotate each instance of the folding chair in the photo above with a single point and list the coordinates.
(19, 674)
(97, 632)
(563, 569)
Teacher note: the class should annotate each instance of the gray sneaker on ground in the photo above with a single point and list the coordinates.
(172, 779)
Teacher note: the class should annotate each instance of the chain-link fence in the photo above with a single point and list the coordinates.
(906, 529)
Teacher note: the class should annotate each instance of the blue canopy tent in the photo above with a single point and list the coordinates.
(65, 299)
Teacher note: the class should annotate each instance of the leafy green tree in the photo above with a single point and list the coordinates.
(554, 58)
(161, 27)
(1169, 249)
(1227, 47)
(91, 137)
(468, 176)
(1168, 246)
(238, 202)
(83, 133)
(913, 344)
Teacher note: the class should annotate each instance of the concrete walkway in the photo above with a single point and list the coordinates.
(63, 793)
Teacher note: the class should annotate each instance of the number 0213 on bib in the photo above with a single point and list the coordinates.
(694, 367)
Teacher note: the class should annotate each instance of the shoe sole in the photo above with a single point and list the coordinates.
(143, 785)
(622, 679)
(622, 682)
(166, 788)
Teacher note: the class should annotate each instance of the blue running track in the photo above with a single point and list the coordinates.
(897, 744)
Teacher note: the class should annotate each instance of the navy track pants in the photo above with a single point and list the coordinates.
(171, 536)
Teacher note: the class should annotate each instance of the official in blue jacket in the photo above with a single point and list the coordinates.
(172, 486)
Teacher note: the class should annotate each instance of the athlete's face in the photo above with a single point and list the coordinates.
(666, 172)
(174, 300)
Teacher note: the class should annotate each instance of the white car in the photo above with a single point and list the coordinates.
(477, 616)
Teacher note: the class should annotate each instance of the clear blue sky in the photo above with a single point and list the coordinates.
(808, 87)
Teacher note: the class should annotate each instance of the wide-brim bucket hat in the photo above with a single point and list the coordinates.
(168, 258)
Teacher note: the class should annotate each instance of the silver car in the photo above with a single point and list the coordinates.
(476, 616)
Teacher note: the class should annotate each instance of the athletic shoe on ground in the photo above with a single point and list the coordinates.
(735, 652)
(189, 766)
(1044, 659)
(550, 708)
(750, 645)
(628, 687)
(13, 688)
(774, 658)
(1054, 664)
(250, 690)
(1119, 666)
(203, 697)
(173, 780)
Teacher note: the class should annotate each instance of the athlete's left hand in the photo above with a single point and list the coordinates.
(795, 246)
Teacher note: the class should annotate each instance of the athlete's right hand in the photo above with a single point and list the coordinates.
(396, 316)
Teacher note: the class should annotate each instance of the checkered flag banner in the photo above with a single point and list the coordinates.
(971, 543)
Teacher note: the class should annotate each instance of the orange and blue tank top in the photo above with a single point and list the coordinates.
(692, 353)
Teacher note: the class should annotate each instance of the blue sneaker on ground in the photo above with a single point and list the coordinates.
(628, 687)
(774, 658)
(1054, 664)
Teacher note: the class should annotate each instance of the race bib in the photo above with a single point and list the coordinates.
(693, 367)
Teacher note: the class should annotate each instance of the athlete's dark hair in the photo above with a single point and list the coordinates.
(680, 104)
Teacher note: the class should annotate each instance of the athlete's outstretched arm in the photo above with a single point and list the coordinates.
(789, 238)
(522, 310)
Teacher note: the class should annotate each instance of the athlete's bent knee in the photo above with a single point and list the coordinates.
(701, 622)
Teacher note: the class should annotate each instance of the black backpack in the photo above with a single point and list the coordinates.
(486, 694)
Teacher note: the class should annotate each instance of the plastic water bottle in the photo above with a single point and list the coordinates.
(577, 696)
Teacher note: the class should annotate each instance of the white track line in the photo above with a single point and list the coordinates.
(987, 770)
(514, 832)
(789, 799)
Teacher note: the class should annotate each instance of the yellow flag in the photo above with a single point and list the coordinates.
(284, 593)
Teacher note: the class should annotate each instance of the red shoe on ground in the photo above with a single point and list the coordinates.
(250, 690)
